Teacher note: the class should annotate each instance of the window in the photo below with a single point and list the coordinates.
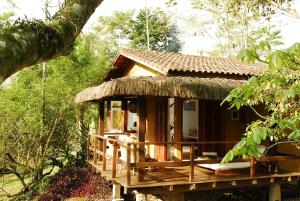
(235, 115)
(132, 116)
(116, 115)
(190, 120)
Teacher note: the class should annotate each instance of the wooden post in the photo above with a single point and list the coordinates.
(108, 110)
(173, 196)
(274, 192)
(95, 149)
(200, 125)
(178, 127)
(141, 132)
(101, 125)
(151, 126)
(252, 166)
(104, 154)
(114, 160)
(134, 150)
(128, 164)
(88, 144)
(192, 148)
(125, 115)
(116, 192)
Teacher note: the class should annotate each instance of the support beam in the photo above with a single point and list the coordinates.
(274, 192)
(141, 132)
(108, 114)
(128, 164)
(173, 196)
(104, 155)
(114, 160)
(116, 192)
(252, 166)
(192, 155)
(178, 128)
(101, 119)
(124, 115)
(101, 125)
(95, 150)
(151, 126)
(88, 144)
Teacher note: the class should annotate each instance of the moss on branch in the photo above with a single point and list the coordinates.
(27, 42)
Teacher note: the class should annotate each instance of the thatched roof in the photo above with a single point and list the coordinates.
(168, 63)
(184, 87)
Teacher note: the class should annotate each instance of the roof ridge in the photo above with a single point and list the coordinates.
(166, 62)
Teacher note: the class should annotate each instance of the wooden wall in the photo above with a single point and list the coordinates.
(140, 70)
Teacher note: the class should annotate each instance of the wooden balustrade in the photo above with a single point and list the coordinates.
(114, 159)
(104, 154)
(128, 164)
(95, 150)
(186, 143)
(131, 150)
(192, 157)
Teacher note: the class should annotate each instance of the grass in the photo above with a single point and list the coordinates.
(11, 184)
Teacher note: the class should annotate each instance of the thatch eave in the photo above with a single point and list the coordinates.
(182, 87)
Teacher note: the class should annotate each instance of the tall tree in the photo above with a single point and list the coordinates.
(163, 35)
(232, 31)
(27, 42)
(118, 26)
(126, 31)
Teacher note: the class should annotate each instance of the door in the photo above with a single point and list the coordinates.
(161, 108)
(212, 123)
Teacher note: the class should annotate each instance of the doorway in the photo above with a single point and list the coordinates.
(161, 109)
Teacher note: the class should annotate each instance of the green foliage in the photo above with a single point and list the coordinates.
(236, 31)
(118, 26)
(162, 34)
(278, 90)
(8, 7)
(5, 16)
(39, 118)
(264, 8)
(232, 27)
(129, 31)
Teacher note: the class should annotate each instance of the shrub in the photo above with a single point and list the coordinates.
(77, 182)
(64, 182)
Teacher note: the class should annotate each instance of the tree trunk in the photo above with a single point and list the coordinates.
(28, 42)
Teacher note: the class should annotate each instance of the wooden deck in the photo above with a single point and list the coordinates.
(177, 179)
(178, 175)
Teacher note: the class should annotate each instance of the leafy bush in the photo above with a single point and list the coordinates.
(77, 182)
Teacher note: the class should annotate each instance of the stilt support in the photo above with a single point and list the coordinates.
(173, 196)
(274, 192)
(116, 195)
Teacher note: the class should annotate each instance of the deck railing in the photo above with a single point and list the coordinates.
(100, 149)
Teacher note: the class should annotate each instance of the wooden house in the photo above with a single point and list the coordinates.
(162, 129)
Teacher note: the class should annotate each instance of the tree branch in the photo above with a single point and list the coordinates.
(26, 43)
(261, 116)
(12, 160)
(281, 142)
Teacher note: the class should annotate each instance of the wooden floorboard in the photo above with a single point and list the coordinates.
(180, 176)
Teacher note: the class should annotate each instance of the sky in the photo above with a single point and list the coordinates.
(290, 27)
